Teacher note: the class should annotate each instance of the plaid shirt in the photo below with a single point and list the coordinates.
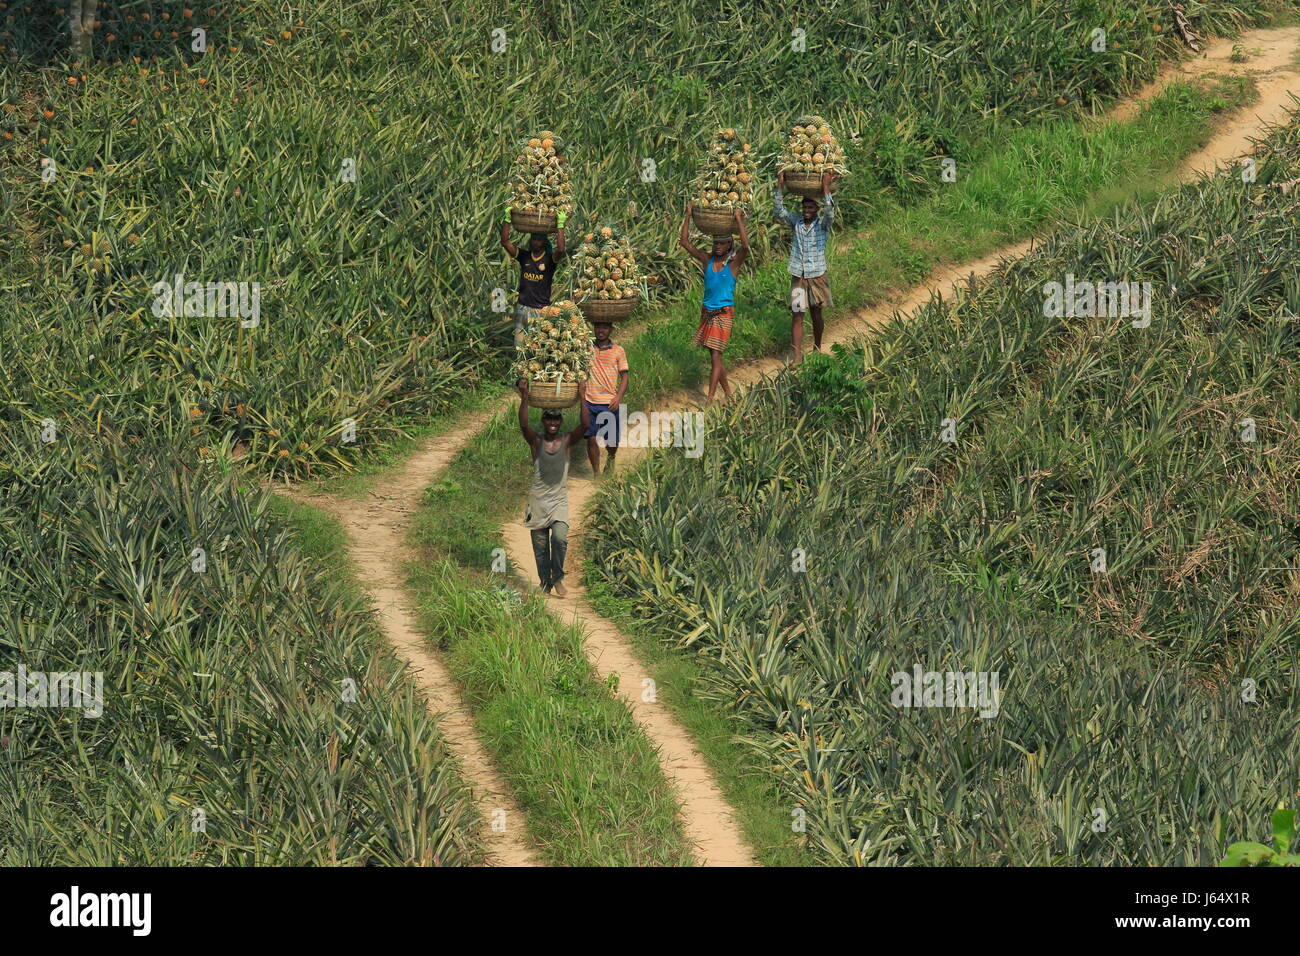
(808, 244)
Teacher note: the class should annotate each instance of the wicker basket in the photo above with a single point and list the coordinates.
(606, 310)
(804, 184)
(533, 220)
(544, 395)
(715, 220)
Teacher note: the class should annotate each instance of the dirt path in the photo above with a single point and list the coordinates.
(707, 817)
(709, 821)
(376, 529)
(1275, 72)
(1276, 57)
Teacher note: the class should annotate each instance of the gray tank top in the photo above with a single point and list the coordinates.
(548, 496)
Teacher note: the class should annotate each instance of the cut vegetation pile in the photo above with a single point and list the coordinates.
(831, 538)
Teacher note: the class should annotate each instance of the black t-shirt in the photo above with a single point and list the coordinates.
(535, 277)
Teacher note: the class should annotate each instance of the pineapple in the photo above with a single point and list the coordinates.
(812, 148)
(725, 177)
(556, 346)
(608, 267)
(541, 178)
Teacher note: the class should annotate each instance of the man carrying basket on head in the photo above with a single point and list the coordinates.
(809, 290)
(547, 517)
(536, 269)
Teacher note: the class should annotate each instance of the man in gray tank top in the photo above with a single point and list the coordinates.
(548, 498)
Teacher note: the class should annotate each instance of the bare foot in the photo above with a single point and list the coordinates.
(559, 590)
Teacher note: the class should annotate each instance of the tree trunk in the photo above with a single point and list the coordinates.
(82, 24)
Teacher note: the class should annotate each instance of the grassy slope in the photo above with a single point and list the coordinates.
(460, 522)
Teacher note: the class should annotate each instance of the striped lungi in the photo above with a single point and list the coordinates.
(715, 327)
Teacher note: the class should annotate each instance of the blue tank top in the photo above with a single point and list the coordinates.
(719, 287)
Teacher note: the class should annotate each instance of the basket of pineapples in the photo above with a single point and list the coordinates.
(554, 355)
(539, 187)
(725, 184)
(609, 284)
(810, 150)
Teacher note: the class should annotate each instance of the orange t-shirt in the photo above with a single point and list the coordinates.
(605, 366)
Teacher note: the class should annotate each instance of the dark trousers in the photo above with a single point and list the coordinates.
(549, 547)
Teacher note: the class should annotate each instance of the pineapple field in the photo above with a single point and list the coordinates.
(352, 159)
(249, 715)
(832, 538)
(253, 474)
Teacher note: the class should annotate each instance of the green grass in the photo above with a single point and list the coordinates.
(750, 792)
(586, 777)
(318, 536)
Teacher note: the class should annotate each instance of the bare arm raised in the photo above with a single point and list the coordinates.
(525, 429)
(684, 239)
